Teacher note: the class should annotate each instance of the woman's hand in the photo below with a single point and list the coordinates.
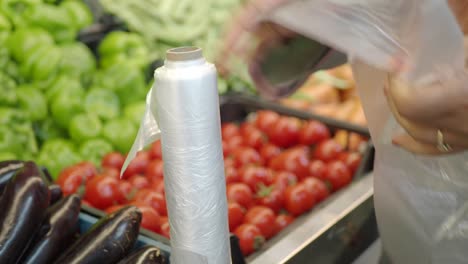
(245, 32)
(435, 117)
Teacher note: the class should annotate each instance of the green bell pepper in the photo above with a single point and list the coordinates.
(9, 141)
(66, 105)
(17, 135)
(11, 115)
(123, 47)
(25, 134)
(64, 84)
(8, 156)
(56, 154)
(5, 24)
(42, 62)
(48, 129)
(4, 57)
(11, 68)
(23, 40)
(135, 112)
(94, 149)
(54, 19)
(7, 90)
(121, 133)
(79, 12)
(125, 80)
(84, 126)
(103, 103)
(77, 60)
(32, 102)
(15, 10)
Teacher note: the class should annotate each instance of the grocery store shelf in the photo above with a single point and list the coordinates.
(336, 232)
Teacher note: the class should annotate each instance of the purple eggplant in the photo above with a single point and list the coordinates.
(56, 233)
(8, 168)
(145, 255)
(55, 193)
(23, 205)
(107, 241)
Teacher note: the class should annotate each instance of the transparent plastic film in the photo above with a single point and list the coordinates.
(421, 201)
(183, 109)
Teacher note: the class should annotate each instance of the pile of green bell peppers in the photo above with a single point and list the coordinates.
(59, 105)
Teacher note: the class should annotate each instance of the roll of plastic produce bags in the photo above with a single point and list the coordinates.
(421, 202)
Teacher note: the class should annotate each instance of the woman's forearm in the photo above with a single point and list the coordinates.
(460, 9)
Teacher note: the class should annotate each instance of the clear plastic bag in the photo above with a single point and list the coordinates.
(421, 202)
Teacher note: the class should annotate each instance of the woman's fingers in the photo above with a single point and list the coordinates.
(426, 133)
(410, 144)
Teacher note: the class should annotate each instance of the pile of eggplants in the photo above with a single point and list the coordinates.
(40, 226)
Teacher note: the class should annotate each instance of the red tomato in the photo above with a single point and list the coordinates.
(317, 169)
(88, 169)
(112, 172)
(126, 189)
(338, 175)
(318, 188)
(351, 159)
(239, 193)
(229, 130)
(271, 197)
(233, 143)
(155, 170)
(151, 198)
(250, 238)
(103, 191)
(282, 221)
(155, 151)
(84, 202)
(113, 160)
(228, 162)
(246, 128)
(254, 177)
(313, 132)
(254, 138)
(244, 155)
(150, 218)
(266, 119)
(114, 208)
(71, 179)
(165, 229)
(232, 175)
(299, 199)
(139, 182)
(226, 150)
(137, 165)
(284, 179)
(236, 215)
(295, 160)
(269, 151)
(158, 186)
(262, 217)
(328, 150)
(285, 132)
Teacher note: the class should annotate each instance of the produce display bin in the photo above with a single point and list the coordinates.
(343, 224)
(339, 229)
